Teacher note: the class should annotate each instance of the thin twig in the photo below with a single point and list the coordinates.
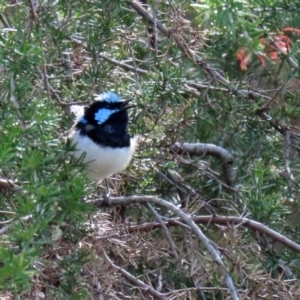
(165, 229)
(244, 93)
(111, 60)
(145, 287)
(15, 103)
(278, 126)
(66, 53)
(287, 143)
(49, 88)
(182, 45)
(208, 289)
(6, 184)
(155, 30)
(4, 21)
(5, 229)
(122, 65)
(31, 17)
(290, 59)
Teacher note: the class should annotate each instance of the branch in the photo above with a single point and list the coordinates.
(122, 65)
(136, 281)
(33, 8)
(182, 46)
(200, 149)
(6, 184)
(287, 143)
(66, 52)
(15, 102)
(186, 192)
(245, 93)
(189, 221)
(261, 228)
(50, 90)
(4, 21)
(286, 131)
(165, 229)
(111, 60)
(11, 222)
(279, 126)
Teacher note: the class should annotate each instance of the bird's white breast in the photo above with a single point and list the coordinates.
(102, 161)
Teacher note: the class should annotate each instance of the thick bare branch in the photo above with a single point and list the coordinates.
(189, 221)
(257, 226)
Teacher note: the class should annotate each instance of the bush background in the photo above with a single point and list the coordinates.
(54, 243)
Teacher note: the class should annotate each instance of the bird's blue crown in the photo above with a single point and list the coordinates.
(109, 97)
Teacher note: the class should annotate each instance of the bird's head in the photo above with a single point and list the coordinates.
(108, 108)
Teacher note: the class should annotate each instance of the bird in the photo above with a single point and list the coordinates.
(101, 136)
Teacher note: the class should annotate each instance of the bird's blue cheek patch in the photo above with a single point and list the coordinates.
(103, 115)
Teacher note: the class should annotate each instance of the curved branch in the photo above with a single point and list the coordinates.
(200, 149)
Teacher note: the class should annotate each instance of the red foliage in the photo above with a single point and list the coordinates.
(271, 48)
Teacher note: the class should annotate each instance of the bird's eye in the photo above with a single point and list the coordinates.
(89, 127)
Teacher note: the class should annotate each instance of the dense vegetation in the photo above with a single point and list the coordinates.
(216, 219)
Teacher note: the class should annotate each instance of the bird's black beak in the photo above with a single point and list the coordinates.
(125, 106)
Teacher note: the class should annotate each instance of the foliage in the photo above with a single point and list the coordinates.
(54, 54)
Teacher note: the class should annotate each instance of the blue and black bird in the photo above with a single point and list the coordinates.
(102, 133)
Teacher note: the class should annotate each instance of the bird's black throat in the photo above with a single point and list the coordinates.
(112, 133)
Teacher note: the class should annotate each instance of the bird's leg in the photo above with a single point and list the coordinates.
(106, 195)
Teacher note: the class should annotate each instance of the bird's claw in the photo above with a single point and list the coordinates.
(105, 200)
